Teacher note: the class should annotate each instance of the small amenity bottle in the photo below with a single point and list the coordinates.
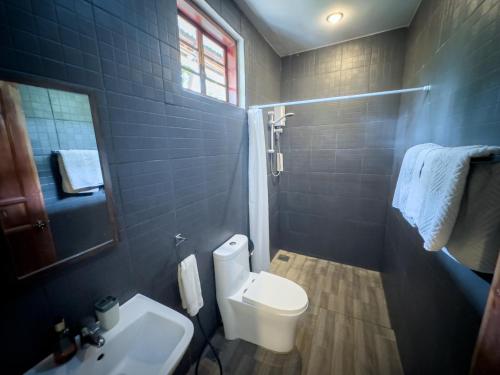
(65, 347)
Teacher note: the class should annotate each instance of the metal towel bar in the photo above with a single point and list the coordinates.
(493, 158)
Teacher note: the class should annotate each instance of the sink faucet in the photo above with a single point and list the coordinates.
(91, 333)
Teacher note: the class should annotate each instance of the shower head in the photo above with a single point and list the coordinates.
(290, 114)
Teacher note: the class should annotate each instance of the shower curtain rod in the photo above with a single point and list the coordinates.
(345, 97)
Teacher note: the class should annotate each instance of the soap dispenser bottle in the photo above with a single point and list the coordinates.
(65, 347)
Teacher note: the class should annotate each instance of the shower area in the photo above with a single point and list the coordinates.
(330, 163)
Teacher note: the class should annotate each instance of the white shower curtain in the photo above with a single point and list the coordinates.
(258, 205)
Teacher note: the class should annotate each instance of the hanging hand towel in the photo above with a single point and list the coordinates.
(189, 285)
(410, 169)
(441, 184)
(80, 170)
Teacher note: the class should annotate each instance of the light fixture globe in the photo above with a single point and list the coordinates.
(334, 17)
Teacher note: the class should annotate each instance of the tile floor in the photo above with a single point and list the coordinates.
(346, 329)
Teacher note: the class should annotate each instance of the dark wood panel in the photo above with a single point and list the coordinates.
(486, 358)
(23, 217)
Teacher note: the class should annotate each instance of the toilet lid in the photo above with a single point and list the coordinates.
(276, 293)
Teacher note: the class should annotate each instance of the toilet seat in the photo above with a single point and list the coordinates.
(275, 293)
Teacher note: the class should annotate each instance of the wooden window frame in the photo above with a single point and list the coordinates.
(197, 18)
(200, 33)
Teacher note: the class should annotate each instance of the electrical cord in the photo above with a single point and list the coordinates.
(211, 347)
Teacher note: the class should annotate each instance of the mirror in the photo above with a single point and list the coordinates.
(55, 197)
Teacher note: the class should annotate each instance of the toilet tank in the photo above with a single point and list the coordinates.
(231, 265)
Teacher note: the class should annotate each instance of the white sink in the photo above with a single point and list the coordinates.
(150, 338)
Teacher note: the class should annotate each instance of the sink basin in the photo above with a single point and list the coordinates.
(150, 338)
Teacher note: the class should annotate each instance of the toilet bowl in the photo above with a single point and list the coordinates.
(261, 308)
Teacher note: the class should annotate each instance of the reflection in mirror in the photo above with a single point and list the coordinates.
(53, 205)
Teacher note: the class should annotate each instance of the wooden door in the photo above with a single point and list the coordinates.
(23, 218)
(486, 359)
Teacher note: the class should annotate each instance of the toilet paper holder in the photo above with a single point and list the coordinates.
(179, 238)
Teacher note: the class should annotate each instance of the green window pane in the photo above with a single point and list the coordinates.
(189, 58)
(191, 81)
(187, 32)
(213, 50)
(215, 72)
(215, 90)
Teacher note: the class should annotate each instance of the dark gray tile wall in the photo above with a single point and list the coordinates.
(338, 156)
(178, 161)
(436, 304)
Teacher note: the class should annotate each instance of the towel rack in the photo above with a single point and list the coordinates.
(493, 158)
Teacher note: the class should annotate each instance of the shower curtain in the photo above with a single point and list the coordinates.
(258, 205)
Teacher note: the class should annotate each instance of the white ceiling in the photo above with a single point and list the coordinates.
(293, 26)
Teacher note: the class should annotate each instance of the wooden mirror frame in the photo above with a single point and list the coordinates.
(50, 84)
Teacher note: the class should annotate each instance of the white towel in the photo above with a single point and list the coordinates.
(408, 174)
(189, 285)
(416, 191)
(80, 170)
(441, 186)
(475, 240)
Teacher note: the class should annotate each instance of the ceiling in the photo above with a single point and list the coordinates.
(293, 26)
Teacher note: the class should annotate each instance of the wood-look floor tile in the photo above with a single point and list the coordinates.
(345, 331)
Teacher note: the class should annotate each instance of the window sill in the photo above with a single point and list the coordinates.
(198, 95)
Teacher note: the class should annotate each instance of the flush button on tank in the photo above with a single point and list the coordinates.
(232, 243)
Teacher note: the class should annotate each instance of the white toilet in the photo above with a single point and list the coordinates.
(261, 308)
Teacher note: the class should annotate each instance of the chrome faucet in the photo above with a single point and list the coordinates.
(91, 333)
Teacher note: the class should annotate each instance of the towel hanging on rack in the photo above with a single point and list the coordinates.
(475, 240)
(80, 170)
(408, 180)
(441, 185)
(189, 285)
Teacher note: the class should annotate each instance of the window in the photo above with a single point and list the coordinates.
(208, 55)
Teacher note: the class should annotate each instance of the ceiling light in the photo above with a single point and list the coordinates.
(334, 17)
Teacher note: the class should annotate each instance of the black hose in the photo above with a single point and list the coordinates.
(209, 344)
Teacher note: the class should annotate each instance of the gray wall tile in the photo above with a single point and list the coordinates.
(338, 156)
(452, 46)
(178, 161)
